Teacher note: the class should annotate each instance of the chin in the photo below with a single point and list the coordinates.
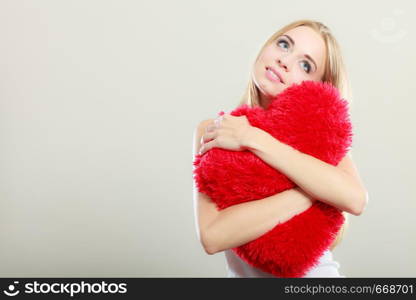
(274, 93)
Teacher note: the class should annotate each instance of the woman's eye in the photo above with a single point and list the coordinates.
(280, 42)
(308, 66)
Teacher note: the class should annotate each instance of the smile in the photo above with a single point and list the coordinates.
(270, 74)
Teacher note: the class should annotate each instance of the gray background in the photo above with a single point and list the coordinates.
(99, 101)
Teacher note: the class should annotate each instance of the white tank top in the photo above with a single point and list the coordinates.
(236, 267)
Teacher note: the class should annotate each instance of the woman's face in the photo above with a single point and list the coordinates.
(297, 55)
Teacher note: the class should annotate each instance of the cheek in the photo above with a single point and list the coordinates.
(268, 55)
(297, 76)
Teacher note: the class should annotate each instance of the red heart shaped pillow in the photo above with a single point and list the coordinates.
(312, 118)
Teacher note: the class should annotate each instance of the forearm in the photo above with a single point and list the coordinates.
(317, 178)
(242, 223)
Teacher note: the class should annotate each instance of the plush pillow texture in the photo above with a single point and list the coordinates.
(312, 118)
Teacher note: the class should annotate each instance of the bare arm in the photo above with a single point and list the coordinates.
(242, 223)
(339, 186)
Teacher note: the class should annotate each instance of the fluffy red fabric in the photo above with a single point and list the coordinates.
(312, 118)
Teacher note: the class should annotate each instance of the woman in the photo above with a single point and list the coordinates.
(302, 50)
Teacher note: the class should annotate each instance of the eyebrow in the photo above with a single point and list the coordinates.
(306, 55)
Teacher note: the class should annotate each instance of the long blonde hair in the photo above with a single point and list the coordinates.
(335, 73)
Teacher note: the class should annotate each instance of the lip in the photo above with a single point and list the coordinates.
(275, 72)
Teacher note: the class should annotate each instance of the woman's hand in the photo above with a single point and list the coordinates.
(227, 132)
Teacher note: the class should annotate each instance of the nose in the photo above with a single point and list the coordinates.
(282, 64)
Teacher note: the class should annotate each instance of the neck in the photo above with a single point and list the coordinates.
(264, 101)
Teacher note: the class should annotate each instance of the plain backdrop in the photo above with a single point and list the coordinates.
(98, 104)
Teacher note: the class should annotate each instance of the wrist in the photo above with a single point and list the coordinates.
(254, 138)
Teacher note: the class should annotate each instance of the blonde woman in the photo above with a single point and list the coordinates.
(302, 50)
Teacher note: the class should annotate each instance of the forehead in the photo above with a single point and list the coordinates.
(308, 41)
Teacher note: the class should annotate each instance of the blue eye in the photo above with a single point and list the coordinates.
(307, 65)
(284, 42)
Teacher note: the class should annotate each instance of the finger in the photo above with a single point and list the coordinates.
(218, 122)
(207, 146)
(210, 128)
(208, 136)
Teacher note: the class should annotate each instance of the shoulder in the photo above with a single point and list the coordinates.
(201, 126)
